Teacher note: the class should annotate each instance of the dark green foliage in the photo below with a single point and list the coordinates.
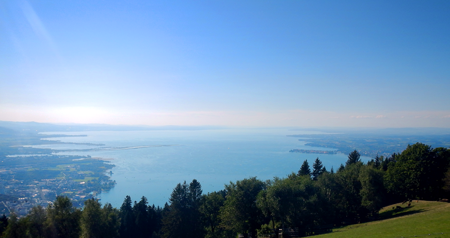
(182, 219)
(294, 202)
(91, 219)
(63, 219)
(36, 222)
(97, 222)
(127, 225)
(110, 221)
(341, 168)
(240, 212)
(142, 218)
(446, 187)
(353, 158)
(210, 211)
(349, 196)
(418, 172)
(267, 207)
(318, 169)
(139, 220)
(304, 169)
(385, 163)
(355, 193)
(372, 189)
(15, 229)
(379, 163)
(3, 223)
(195, 198)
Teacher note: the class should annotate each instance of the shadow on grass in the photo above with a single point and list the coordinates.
(398, 212)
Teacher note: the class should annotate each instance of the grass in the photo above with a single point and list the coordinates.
(422, 219)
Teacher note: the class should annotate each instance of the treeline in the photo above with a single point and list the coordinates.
(311, 201)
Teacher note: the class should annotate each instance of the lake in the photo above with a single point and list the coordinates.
(151, 163)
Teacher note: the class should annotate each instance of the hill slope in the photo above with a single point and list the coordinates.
(423, 218)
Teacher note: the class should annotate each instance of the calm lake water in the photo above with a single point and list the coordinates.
(213, 157)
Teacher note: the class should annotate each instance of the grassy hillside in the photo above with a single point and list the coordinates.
(422, 219)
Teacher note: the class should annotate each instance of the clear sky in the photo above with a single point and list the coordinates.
(232, 63)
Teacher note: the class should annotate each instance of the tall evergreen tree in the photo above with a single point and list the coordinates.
(111, 221)
(98, 222)
(142, 221)
(378, 161)
(353, 157)
(304, 169)
(195, 195)
(317, 169)
(127, 219)
(182, 219)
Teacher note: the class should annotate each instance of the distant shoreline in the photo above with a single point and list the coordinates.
(314, 151)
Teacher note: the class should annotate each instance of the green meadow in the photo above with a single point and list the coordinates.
(421, 219)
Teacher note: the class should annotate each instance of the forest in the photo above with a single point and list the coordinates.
(308, 202)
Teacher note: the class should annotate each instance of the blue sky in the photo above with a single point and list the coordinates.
(231, 63)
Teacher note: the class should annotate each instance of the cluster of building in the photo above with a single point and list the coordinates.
(22, 196)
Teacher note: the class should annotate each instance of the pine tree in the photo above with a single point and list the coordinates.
(304, 170)
(183, 217)
(317, 169)
(141, 218)
(127, 219)
(353, 158)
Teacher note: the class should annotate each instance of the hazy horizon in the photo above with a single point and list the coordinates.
(303, 64)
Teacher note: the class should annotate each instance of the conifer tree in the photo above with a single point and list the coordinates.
(304, 169)
(317, 169)
(127, 218)
(142, 221)
(341, 168)
(353, 157)
(183, 217)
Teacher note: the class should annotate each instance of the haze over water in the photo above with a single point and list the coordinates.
(213, 157)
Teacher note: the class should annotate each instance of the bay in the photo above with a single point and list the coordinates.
(151, 163)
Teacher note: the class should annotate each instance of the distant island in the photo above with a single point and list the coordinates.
(370, 143)
(314, 151)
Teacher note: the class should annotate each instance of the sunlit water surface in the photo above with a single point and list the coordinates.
(213, 157)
